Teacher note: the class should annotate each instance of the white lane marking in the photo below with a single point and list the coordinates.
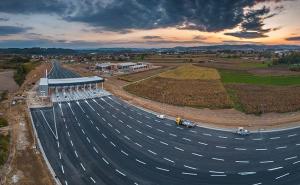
(130, 117)
(242, 162)
(239, 138)
(218, 175)
(138, 144)
(263, 162)
(207, 134)
(259, 183)
(240, 149)
(57, 144)
(160, 130)
(104, 135)
(298, 144)
(88, 139)
(82, 166)
(129, 126)
(257, 139)
(117, 131)
(193, 131)
(186, 139)
(174, 135)
(162, 169)
(105, 161)
(112, 143)
(138, 131)
(281, 147)
(140, 161)
(296, 162)
(127, 138)
(76, 153)
(62, 169)
(223, 137)
(190, 167)
(201, 143)
(82, 131)
(163, 143)
(186, 173)
(217, 159)
(71, 142)
(218, 172)
(66, 182)
(279, 177)
(292, 135)
(289, 158)
(120, 121)
(246, 173)
(177, 148)
(199, 155)
(120, 172)
(273, 138)
(150, 137)
(68, 134)
(277, 168)
(221, 147)
(139, 121)
(59, 155)
(261, 149)
(109, 124)
(95, 150)
(152, 152)
(124, 153)
(97, 128)
(114, 116)
(93, 180)
(168, 160)
(148, 126)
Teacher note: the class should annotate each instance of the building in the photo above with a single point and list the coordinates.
(125, 66)
(105, 66)
(49, 86)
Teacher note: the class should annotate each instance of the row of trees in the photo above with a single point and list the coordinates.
(293, 58)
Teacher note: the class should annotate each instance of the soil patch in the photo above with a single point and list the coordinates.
(7, 81)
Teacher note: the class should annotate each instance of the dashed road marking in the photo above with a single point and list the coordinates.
(120, 172)
(177, 148)
(186, 173)
(201, 143)
(263, 162)
(281, 147)
(160, 130)
(289, 158)
(217, 159)
(168, 160)
(279, 177)
(162, 169)
(223, 147)
(246, 173)
(124, 153)
(276, 168)
(240, 149)
(95, 150)
(243, 162)
(190, 167)
(292, 135)
(112, 143)
(186, 139)
(261, 149)
(163, 143)
(152, 152)
(174, 135)
(138, 145)
(140, 161)
(273, 138)
(82, 167)
(150, 137)
(105, 161)
(93, 180)
(199, 155)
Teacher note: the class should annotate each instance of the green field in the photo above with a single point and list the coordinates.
(4, 148)
(243, 77)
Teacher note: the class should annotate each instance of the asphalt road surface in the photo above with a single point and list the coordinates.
(107, 141)
(59, 72)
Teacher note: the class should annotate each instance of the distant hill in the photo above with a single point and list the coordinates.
(38, 51)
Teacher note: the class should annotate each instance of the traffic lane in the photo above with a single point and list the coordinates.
(241, 173)
(144, 158)
(240, 163)
(92, 155)
(239, 151)
(281, 138)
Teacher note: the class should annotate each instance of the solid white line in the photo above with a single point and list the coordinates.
(263, 162)
(124, 153)
(185, 173)
(95, 149)
(199, 155)
(168, 160)
(202, 143)
(120, 172)
(217, 159)
(277, 168)
(282, 176)
(163, 143)
(178, 148)
(93, 180)
(152, 152)
(162, 169)
(82, 167)
(193, 168)
(289, 158)
(138, 144)
(105, 160)
(140, 161)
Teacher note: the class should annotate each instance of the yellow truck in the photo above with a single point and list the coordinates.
(183, 122)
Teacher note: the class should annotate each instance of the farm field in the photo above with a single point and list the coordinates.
(180, 87)
(243, 77)
(257, 99)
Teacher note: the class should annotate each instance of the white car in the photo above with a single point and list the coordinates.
(161, 116)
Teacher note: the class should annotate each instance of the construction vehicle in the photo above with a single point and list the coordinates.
(242, 131)
(160, 116)
(184, 122)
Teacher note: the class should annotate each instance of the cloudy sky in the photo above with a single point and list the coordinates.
(147, 23)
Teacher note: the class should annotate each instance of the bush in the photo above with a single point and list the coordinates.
(3, 122)
(4, 148)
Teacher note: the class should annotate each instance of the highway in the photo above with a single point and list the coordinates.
(100, 136)
(59, 72)
(107, 141)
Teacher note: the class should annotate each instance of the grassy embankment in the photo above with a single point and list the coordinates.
(4, 142)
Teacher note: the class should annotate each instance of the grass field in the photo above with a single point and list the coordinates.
(191, 72)
(243, 77)
(4, 148)
(186, 85)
